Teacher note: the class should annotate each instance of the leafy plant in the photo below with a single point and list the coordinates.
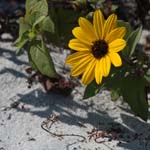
(31, 32)
(43, 23)
(130, 80)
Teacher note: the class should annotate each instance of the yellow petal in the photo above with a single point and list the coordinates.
(110, 24)
(117, 33)
(82, 36)
(87, 27)
(75, 58)
(117, 45)
(98, 22)
(88, 75)
(77, 45)
(80, 67)
(105, 63)
(115, 59)
(98, 71)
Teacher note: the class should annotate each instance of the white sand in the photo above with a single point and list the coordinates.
(20, 129)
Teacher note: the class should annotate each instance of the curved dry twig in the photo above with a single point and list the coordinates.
(48, 123)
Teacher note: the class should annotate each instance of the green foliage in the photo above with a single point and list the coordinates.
(23, 34)
(40, 58)
(132, 41)
(134, 94)
(21, 41)
(42, 24)
(31, 32)
(130, 80)
(64, 20)
(115, 94)
(47, 25)
(92, 89)
(35, 8)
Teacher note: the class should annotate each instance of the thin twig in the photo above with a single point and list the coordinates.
(47, 125)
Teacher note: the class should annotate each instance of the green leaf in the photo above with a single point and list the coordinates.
(64, 21)
(23, 26)
(114, 7)
(21, 41)
(40, 57)
(47, 25)
(20, 44)
(99, 2)
(134, 94)
(23, 34)
(33, 18)
(115, 94)
(31, 62)
(92, 89)
(132, 42)
(30, 3)
(37, 5)
(40, 8)
(113, 82)
(38, 20)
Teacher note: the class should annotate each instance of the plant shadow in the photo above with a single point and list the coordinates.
(130, 132)
(11, 56)
(65, 105)
(71, 112)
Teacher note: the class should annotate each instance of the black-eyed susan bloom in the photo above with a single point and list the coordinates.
(97, 46)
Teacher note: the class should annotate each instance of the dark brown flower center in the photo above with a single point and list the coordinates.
(99, 49)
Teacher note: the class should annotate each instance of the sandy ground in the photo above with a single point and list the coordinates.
(20, 125)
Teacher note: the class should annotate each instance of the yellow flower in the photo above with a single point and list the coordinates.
(97, 45)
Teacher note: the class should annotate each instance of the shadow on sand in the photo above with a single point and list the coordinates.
(129, 133)
(12, 56)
